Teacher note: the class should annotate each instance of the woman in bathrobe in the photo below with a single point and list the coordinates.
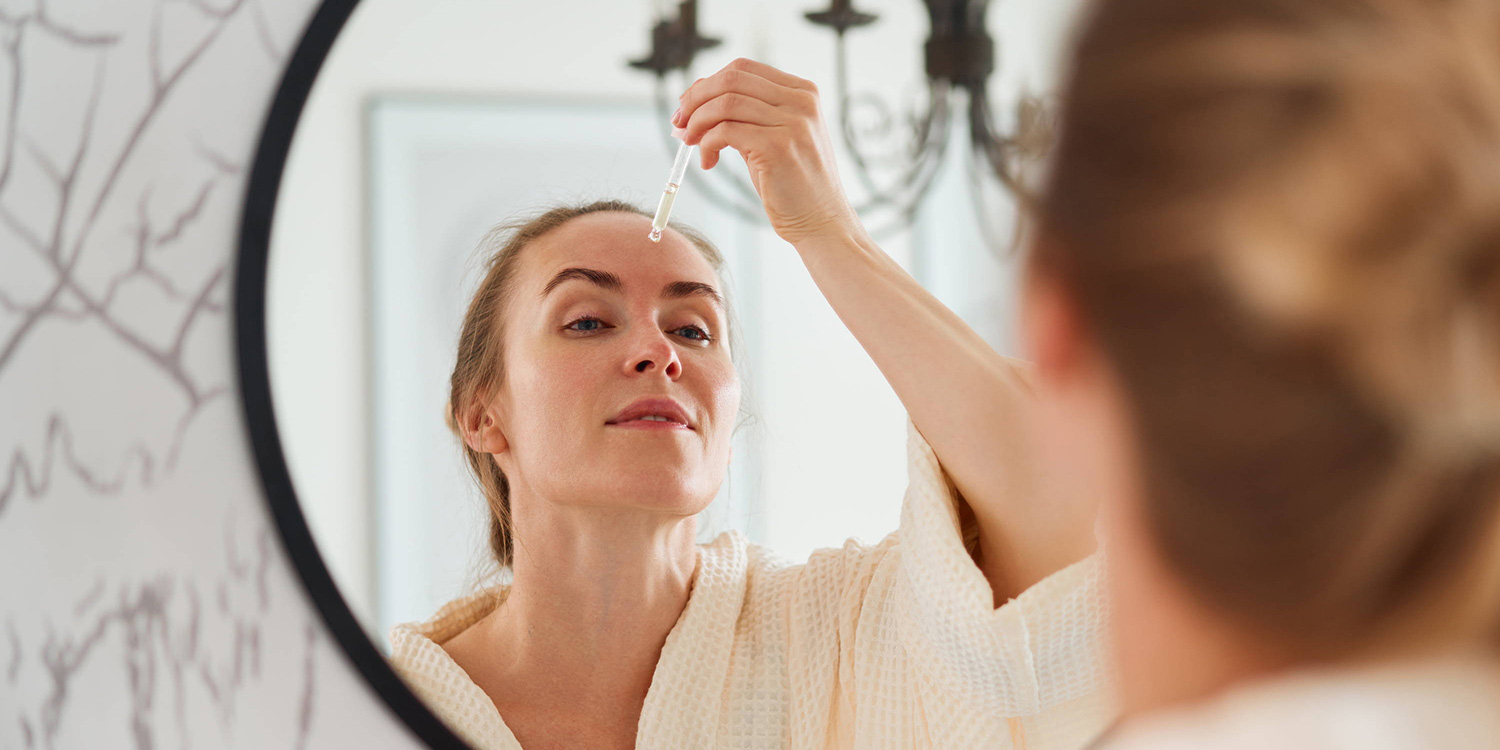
(595, 395)
(1266, 299)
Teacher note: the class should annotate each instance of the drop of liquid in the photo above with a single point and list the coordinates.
(655, 235)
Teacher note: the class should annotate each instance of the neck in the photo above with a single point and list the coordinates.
(1170, 649)
(1171, 663)
(595, 591)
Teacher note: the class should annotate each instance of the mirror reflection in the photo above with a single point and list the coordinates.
(763, 476)
(534, 443)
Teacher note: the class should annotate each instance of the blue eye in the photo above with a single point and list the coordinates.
(585, 325)
(694, 333)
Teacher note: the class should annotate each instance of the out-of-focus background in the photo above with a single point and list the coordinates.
(431, 122)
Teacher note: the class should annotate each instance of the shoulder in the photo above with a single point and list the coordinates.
(772, 585)
(731, 552)
(1430, 704)
(420, 659)
(421, 647)
(452, 618)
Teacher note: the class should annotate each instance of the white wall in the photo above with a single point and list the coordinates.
(818, 487)
(146, 599)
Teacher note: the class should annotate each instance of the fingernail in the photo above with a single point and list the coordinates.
(679, 133)
(676, 114)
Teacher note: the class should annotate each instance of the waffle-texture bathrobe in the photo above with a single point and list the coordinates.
(893, 645)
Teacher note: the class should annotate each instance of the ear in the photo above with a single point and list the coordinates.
(1052, 329)
(482, 430)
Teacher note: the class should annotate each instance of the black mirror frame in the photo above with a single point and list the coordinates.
(255, 382)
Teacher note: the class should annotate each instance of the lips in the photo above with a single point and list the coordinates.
(653, 411)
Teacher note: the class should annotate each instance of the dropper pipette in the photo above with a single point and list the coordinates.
(669, 195)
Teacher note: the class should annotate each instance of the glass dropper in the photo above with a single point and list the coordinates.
(669, 194)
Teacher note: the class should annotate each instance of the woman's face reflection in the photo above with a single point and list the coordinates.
(619, 388)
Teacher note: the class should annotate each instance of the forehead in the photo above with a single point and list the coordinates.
(617, 243)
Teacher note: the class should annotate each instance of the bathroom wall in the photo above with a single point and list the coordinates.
(145, 599)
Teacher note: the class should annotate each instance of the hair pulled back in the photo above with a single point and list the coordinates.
(1281, 218)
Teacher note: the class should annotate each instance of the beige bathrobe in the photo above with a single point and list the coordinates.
(893, 645)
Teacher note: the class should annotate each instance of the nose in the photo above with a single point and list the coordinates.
(653, 352)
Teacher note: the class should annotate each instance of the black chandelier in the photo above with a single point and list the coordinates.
(960, 57)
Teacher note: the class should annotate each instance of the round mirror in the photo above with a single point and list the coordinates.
(405, 133)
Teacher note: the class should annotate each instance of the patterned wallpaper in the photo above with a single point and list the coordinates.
(145, 598)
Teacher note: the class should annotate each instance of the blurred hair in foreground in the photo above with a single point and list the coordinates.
(1281, 218)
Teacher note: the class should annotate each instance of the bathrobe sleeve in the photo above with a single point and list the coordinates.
(1035, 667)
(920, 655)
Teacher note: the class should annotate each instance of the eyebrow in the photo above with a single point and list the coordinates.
(681, 289)
(607, 280)
(599, 278)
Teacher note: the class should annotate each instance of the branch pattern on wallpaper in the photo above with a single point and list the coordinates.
(155, 609)
(179, 643)
(89, 270)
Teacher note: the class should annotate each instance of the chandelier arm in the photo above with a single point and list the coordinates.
(922, 181)
(939, 99)
(996, 149)
(842, 91)
(1002, 249)
(910, 184)
(919, 178)
(934, 133)
(881, 197)
(994, 152)
(907, 211)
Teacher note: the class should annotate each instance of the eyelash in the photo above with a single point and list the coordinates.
(704, 335)
(584, 319)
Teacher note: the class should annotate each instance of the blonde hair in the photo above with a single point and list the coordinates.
(1281, 218)
(480, 366)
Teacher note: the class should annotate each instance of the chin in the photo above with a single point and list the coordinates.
(663, 488)
(662, 495)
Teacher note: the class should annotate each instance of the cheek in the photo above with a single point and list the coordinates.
(721, 393)
(552, 388)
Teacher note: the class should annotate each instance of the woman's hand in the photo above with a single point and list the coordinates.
(774, 121)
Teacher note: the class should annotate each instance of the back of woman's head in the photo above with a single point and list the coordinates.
(1281, 219)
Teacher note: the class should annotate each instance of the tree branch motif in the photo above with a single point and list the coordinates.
(87, 601)
(36, 478)
(309, 682)
(161, 87)
(168, 648)
(14, 668)
(263, 30)
(66, 241)
(42, 21)
(177, 637)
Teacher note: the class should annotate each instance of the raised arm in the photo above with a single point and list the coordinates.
(969, 402)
